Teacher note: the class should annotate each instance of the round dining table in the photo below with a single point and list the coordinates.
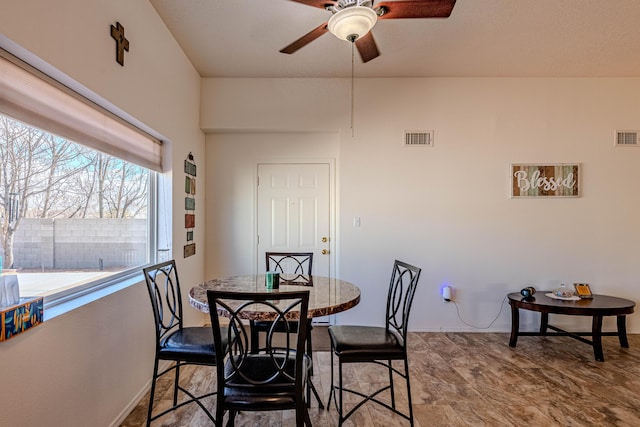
(327, 295)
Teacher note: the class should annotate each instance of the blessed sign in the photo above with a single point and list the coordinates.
(554, 180)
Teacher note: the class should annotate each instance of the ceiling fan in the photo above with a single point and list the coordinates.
(352, 20)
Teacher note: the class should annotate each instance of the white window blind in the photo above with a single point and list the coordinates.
(31, 99)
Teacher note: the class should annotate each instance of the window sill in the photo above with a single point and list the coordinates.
(55, 306)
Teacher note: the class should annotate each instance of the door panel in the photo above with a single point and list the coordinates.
(279, 222)
(308, 213)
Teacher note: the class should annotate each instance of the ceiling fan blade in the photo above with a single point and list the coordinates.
(306, 39)
(317, 3)
(367, 47)
(416, 9)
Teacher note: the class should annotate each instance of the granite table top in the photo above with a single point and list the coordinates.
(326, 295)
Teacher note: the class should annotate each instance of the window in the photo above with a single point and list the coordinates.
(71, 215)
(78, 202)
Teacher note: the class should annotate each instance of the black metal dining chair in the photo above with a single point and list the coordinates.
(174, 342)
(295, 268)
(272, 377)
(295, 265)
(379, 345)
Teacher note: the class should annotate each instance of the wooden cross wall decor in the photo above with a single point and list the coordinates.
(122, 43)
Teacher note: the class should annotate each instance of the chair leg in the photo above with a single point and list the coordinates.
(332, 387)
(300, 415)
(176, 384)
(406, 372)
(310, 354)
(152, 392)
(312, 388)
(392, 390)
(307, 419)
(308, 399)
(219, 414)
(340, 419)
(309, 344)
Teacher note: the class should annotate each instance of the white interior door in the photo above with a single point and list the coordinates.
(294, 212)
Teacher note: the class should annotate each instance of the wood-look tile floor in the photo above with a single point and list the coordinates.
(467, 379)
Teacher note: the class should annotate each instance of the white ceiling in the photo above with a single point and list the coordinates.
(498, 38)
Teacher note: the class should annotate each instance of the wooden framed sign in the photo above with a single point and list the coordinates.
(189, 250)
(545, 180)
(583, 290)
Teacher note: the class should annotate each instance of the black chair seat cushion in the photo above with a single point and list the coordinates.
(192, 344)
(260, 367)
(365, 343)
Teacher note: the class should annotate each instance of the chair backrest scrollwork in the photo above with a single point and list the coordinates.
(404, 280)
(280, 362)
(294, 267)
(166, 301)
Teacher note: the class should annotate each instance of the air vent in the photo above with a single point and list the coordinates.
(627, 138)
(418, 138)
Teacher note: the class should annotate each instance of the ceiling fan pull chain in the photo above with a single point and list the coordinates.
(352, 80)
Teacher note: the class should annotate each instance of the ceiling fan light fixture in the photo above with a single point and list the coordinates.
(353, 22)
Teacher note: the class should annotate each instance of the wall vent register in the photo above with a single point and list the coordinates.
(627, 138)
(418, 138)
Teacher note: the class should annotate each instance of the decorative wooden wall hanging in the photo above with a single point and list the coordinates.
(552, 180)
(17, 318)
(189, 221)
(122, 43)
(190, 203)
(189, 250)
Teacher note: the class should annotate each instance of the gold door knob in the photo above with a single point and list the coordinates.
(324, 240)
(324, 252)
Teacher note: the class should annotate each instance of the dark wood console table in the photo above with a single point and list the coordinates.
(597, 307)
